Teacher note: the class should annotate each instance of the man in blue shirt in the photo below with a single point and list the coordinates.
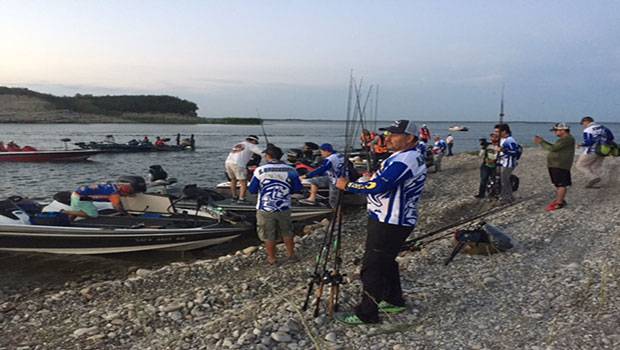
(439, 151)
(590, 163)
(334, 167)
(274, 182)
(392, 195)
(508, 155)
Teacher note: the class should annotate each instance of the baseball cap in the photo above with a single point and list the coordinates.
(252, 138)
(327, 147)
(560, 126)
(402, 126)
(274, 151)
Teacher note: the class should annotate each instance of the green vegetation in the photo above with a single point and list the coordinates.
(111, 105)
(233, 120)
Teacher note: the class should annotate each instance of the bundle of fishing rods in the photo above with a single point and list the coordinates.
(327, 268)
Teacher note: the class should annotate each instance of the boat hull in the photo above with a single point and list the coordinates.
(47, 156)
(87, 240)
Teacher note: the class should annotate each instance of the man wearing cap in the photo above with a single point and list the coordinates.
(590, 163)
(236, 165)
(334, 166)
(274, 182)
(83, 197)
(439, 151)
(392, 197)
(559, 162)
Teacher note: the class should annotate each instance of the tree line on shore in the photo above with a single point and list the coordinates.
(111, 105)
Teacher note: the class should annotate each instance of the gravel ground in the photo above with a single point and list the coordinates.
(557, 289)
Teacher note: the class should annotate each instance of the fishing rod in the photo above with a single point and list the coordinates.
(418, 242)
(322, 275)
(262, 127)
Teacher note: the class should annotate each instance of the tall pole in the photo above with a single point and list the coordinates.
(376, 106)
(501, 107)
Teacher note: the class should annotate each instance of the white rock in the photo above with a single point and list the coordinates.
(82, 331)
(331, 337)
(143, 272)
(281, 337)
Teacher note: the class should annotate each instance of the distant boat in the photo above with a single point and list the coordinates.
(458, 128)
(47, 156)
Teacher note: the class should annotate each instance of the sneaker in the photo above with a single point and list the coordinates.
(478, 196)
(384, 306)
(349, 319)
(242, 201)
(593, 182)
(555, 205)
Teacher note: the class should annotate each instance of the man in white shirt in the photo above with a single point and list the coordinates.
(450, 142)
(236, 163)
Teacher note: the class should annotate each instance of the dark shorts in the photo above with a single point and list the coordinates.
(560, 177)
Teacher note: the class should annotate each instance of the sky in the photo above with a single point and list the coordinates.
(432, 60)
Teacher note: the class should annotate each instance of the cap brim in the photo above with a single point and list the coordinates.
(393, 130)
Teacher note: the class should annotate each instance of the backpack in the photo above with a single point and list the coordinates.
(519, 152)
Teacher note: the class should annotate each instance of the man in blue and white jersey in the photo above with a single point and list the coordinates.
(590, 163)
(508, 153)
(333, 166)
(392, 195)
(439, 151)
(275, 182)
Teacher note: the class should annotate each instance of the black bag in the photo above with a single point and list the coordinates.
(514, 182)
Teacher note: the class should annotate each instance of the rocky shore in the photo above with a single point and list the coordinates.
(557, 289)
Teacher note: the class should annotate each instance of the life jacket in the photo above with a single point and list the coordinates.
(380, 147)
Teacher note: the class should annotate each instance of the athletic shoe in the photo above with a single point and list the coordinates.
(386, 307)
(593, 182)
(242, 201)
(478, 196)
(349, 319)
(555, 205)
(306, 202)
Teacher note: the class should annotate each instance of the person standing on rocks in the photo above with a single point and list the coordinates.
(509, 154)
(488, 155)
(439, 151)
(590, 163)
(559, 162)
(450, 142)
(392, 196)
(275, 182)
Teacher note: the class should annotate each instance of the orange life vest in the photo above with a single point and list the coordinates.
(380, 146)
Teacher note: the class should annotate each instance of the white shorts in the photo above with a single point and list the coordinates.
(236, 172)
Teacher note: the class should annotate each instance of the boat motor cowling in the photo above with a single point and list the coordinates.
(10, 214)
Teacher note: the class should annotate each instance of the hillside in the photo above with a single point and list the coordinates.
(18, 105)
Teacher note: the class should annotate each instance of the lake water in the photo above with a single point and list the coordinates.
(205, 165)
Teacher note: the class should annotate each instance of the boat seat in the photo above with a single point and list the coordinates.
(63, 197)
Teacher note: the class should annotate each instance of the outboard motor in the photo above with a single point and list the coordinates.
(10, 214)
(156, 172)
(293, 155)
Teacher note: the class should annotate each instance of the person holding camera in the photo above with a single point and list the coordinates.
(488, 155)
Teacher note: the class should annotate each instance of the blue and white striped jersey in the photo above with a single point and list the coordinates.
(596, 134)
(394, 191)
(332, 165)
(274, 182)
(440, 146)
(422, 147)
(509, 152)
